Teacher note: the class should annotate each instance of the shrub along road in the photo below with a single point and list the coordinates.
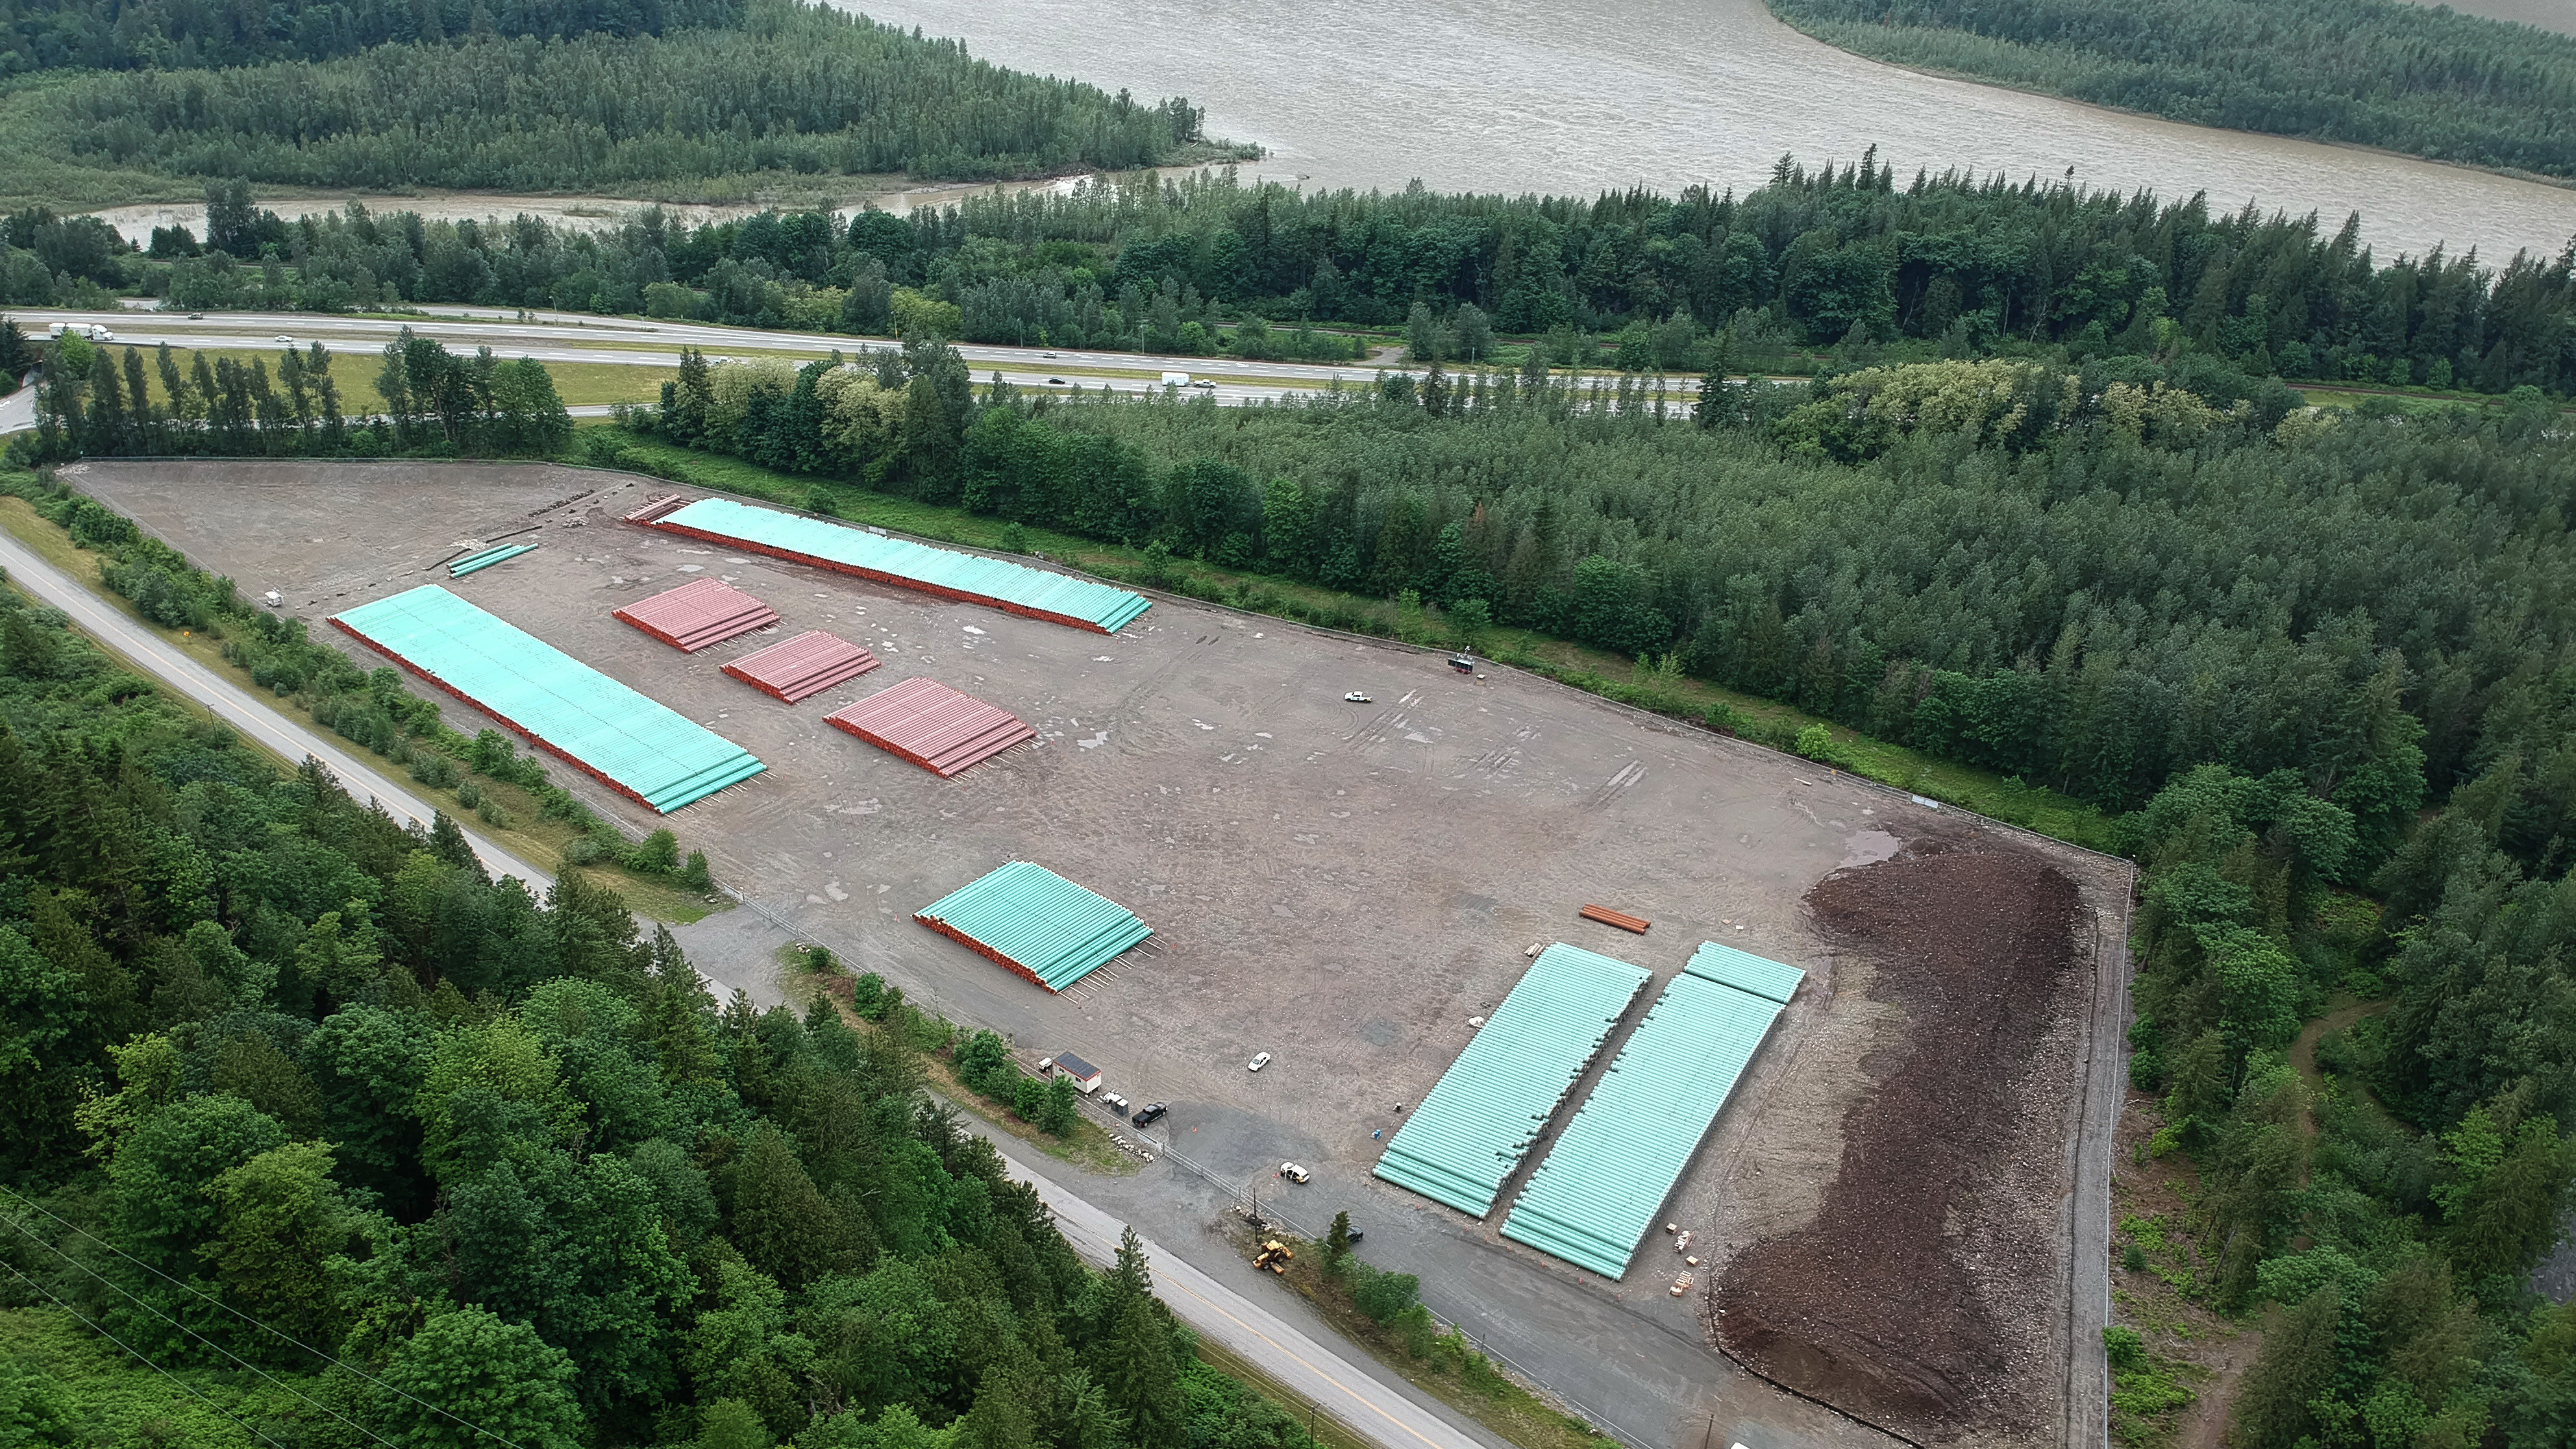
(1347, 1392)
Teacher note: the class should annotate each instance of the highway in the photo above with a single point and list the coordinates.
(630, 342)
(163, 660)
(576, 337)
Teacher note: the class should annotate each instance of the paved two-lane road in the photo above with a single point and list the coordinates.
(1351, 1395)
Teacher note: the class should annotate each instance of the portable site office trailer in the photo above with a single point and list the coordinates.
(1086, 1077)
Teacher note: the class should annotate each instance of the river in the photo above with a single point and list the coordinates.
(1574, 96)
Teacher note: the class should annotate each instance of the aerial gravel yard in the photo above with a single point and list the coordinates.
(1345, 885)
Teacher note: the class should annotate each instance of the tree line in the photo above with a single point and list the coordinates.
(1948, 265)
(1844, 262)
(792, 89)
(88, 403)
(297, 1090)
(2421, 79)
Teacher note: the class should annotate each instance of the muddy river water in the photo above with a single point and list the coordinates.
(1579, 95)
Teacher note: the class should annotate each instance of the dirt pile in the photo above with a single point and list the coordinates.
(1920, 1295)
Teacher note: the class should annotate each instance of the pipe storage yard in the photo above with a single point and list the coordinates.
(1600, 1188)
(634, 746)
(1346, 885)
(1471, 1133)
(1035, 922)
(698, 613)
(802, 667)
(947, 572)
(933, 726)
(482, 559)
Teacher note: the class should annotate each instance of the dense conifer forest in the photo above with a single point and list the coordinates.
(2421, 79)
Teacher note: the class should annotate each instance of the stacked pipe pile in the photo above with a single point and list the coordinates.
(698, 613)
(1471, 1133)
(933, 726)
(802, 667)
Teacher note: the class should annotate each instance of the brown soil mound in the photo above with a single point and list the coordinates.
(1917, 1297)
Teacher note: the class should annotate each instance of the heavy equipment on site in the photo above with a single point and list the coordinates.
(1274, 1255)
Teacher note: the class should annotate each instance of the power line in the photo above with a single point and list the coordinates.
(332, 1359)
(147, 1363)
(156, 1312)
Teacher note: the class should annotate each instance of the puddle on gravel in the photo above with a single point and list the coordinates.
(1868, 847)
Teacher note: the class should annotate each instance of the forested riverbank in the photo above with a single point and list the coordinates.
(575, 101)
(2412, 78)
